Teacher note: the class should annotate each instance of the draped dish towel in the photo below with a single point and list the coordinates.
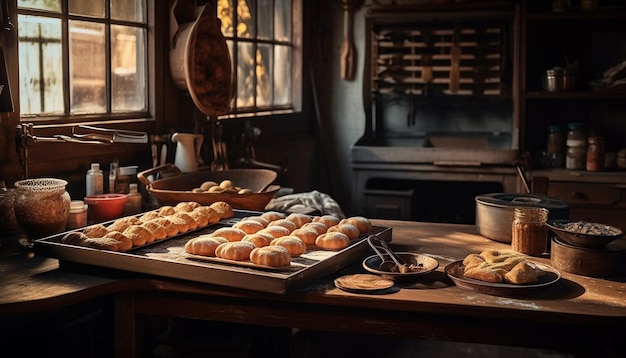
(302, 202)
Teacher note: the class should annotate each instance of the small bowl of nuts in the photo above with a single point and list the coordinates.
(585, 234)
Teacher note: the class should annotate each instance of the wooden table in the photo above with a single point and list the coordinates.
(577, 314)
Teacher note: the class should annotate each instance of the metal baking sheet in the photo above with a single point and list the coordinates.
(168, 258)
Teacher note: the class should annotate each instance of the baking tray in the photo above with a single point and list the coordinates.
(168, 258)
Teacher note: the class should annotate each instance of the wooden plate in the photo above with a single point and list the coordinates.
(363, 283)
(455, 271)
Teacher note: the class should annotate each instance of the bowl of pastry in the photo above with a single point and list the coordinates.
(585, 234)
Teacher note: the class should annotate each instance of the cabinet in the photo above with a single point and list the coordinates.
(593, 42)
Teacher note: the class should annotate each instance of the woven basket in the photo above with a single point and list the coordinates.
(177, 186)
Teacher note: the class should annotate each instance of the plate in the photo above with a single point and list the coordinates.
(363, 283)
(427, 264)
(455, 271)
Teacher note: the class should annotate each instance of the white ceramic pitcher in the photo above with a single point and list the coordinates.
(187, 151)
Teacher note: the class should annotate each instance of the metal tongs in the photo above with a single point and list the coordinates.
(397, 264)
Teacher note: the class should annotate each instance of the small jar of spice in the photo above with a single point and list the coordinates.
(529, 231)
(595, 153)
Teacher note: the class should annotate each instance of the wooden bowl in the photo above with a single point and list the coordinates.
(176, 187)
(581, 235)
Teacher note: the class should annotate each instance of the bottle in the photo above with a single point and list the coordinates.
(95, 180)
(576, 147)
(78, 215)
(556, 145)
(595, 154)
(125, 177)
(529, 234)
(133, 201)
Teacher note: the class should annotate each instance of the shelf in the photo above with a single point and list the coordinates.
(583, 95)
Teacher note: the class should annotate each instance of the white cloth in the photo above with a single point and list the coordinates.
(300, 202)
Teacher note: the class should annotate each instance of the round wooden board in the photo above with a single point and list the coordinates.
(363, 283)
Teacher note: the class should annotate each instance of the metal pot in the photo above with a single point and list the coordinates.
(494, 212)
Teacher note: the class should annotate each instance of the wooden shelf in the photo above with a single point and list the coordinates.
(582, 95)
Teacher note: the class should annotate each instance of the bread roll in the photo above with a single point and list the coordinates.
(334, 241)
(122, 223)
(346, 228)
(184, 215)
(276, 231)
(181, 223)
(299, 219)
(288, 224)
(259, 239)
(274, 256)
(200, 219)
(362, 223)
(158, 231)
(318, 226)
(293, 244)
(102, 243)
(124, 241)
(184, 207)
(170, 228)
(166, 210)
(139, 235)
(235, 250)
(204, 245)
(74, 238)
(152, 214)
(272, 215)
(229, 233)
(212, 216)
(261, 220)
(97, 230)
(307, 235)
(224, 210)
(328, 220)
(248, 226)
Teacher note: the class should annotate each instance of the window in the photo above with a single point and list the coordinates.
(263, 40)
(80, 58)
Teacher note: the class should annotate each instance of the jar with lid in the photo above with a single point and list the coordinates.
(78, 215)
(42, 207)
(576, 146)
(133, 201)
(529, 234)
(556, 145)
(595, 154)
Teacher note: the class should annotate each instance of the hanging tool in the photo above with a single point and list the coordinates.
(455, 60)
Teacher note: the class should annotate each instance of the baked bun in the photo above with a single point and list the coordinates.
(259, 239)
(212, 216)
(501, 266)
(362, 223)
(183, 207)
(288, 224)
(200, 219)
(74, 238)
(166, 210)
(520, 274)
(235, 250)
(351, 231)
(274, 256)
(307, 235)
(248, 226)
(332, 241)
(229, 233)
(122, 223)
(204, 245)
(97, 230)
(293, 244)
(328, 220)
(224, 210)
(272, 215)
(102, 243)
(299, 219)
(158, 231)
(276, 231)
(170, 228)
(318, 226)
(181, 223)
(184, 215)
(139, 235)
(124, 242)
(261, 220)
(152, 214)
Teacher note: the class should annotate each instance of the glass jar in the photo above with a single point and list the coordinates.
(576, 146)
(529, 234)
(595, 154)
(78, 214)
(556, 145)
(8, 223)
(42, 207)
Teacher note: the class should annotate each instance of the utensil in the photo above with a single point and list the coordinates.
(455, 60)
(385, 264)
(398, 264)
(424, 265)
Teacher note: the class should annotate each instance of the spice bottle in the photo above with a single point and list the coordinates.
(95, 180)
(78, 214)
(133, 201)
(595, 154)
(576, 147)
(556, 145)
(529, 231)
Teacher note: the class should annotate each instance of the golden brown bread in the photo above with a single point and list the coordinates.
(501, 266)
(229, 233)
(351, 231)
(248, 226)
(259, 239)
(158, 231)
(234, 250)
(307, 235)
(122, 223)
(139, 235)
(224, 210)
(334, 240)
(204, 245)
(362, 223)
(274, 256)
(125, 243)
(293, 244)
(97, 230)
(287, 224)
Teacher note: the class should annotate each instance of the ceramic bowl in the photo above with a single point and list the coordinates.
(105, 207)
(584, 233)
(425, 265)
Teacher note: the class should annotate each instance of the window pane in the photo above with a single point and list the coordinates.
(245, 21)
(41, 65)
(282, 75)
(264, 19)
(263, 75)
(282, 20)
(128, 10)
(225, 14)
(128, 75)
(245, 75)
(48, 5)
(93, 8)
(87, 67)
